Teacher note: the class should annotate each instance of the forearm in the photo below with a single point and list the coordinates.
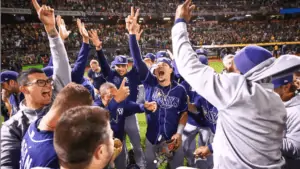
(8, 107)
(137, 59)
(103, 63)
(182, 122)
(79, 68)
(61, 67)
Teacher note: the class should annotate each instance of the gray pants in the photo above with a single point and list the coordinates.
(120, 161)
(132, 130)
(189, 145)
(176, 161)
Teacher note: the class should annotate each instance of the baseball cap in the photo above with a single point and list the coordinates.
(150, 56)
(201, 51)
(120, 60)
(9, 75)
(165, 60)
(48, 71)
(161, 54)
(282, 81)
(203, 59)
(250, 56)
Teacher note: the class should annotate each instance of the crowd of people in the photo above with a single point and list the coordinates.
(56, 117)
(158, 6)
(29, 42)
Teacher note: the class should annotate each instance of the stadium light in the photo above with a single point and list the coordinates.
(167, 19)
(141, 19)
(101, 19)
(248, 15)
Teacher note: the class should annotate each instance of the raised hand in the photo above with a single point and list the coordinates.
(202, 152)
(82, 30)
(131, 22)
(63, 32)
(184, 11)
(95, 39)
(122, 93)
(139, 32)
(151, 106)
(46, 15)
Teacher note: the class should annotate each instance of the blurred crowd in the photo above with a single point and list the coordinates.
(158, 6)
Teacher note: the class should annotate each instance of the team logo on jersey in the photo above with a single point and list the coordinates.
(165, 101)
(97, 74)
(120, 112)
(211, 116)
(116, 80)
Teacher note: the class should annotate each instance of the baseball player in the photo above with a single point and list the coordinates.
(39, 135)
(149, 59)
(113, 100)
(202, 120)
(78, 68)
(11, 95)
(116, 76)
(168, 121)
(243, 98)
(95, 75)
(38, 92)
(291, 141)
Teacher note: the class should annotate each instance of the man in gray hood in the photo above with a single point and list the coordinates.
(251, 115)
(38, 92)
(291, 140)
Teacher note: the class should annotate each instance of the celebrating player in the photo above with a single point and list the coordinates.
(249, 111)
(116, 76)
(37, 89)
(168, 121)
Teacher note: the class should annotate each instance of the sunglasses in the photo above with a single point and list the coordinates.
(41, 83)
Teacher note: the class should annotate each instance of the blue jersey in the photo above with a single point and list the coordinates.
(171, 100)
(37, 148)
(118, 113)
(14, 100)
(111, 75)
(98, 78)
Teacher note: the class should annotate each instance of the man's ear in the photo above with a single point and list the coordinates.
(286, 88)
(24, 89)
(98, 154)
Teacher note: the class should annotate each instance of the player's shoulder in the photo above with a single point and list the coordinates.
(178, 87)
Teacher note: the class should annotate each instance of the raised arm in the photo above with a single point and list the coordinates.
(50, 63)
(133, 28)
(217, 89)
(106, 70)
(79, 68)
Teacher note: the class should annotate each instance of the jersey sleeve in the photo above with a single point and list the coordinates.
(183, 105)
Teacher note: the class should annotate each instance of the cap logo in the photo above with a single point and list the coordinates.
(5, 79)
(120, 59)
(286, 81)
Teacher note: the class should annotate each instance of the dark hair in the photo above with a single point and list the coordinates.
(72, 95)
(23, 76)
(78, 133)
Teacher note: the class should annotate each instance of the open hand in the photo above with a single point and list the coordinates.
(151, 106)
(131, 22)
(202, 152)
(184, 11)
(95, 39)
(82, 30)
(63, 32)
(122, 93)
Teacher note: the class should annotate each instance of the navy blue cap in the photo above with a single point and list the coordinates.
(203, 59)
(165, 60)
(151, 56)
(282, 81)
(48, 71)
(249, 57)
(161, 54)
(121, 60)
(9, 75)
(201, 51)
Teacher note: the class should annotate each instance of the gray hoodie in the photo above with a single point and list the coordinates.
(13, 130)
(291, 139)
(251, 116)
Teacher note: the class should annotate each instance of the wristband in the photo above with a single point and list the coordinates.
(180, 129)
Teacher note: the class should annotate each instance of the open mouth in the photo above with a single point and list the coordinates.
(46, 94)
(161, 73)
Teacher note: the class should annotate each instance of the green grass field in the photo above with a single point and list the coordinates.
(218, 66)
